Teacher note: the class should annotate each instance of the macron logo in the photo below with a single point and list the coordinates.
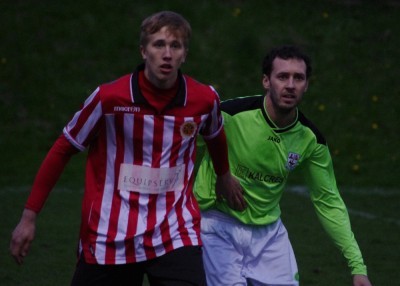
(130, 109)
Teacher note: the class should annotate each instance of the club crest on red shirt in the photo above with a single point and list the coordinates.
(188, 129)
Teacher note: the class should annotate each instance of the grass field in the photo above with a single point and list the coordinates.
(53, 54)
(374, 215)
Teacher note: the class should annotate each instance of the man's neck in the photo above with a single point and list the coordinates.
(280, 117)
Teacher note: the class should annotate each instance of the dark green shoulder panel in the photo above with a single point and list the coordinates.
(240, 104)
(304, 120)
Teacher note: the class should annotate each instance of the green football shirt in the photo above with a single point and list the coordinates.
(262, 156)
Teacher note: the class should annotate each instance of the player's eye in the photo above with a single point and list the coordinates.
(158, 44)
(176, 45)
(282, 76)
(299, 77)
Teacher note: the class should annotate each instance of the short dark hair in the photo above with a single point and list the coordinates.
(285, 52)
(175, 23)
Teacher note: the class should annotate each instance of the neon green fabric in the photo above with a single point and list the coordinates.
(262, 156)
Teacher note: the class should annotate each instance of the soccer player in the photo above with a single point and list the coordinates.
(139, 214)
(268, 138)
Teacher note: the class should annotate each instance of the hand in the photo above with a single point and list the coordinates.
(361, 280)
(228, 187)
(23, 236)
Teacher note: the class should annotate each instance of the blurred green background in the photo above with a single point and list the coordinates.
(53, 54)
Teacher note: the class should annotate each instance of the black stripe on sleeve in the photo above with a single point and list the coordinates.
(241, 104)
(306, 122)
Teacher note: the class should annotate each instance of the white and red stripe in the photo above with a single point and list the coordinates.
(119, 226)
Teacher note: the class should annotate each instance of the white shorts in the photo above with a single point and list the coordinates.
(239, 254)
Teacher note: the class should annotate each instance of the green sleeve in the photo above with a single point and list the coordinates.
(205, 183)
(330, 208)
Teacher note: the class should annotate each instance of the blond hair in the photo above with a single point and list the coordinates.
(175, 23)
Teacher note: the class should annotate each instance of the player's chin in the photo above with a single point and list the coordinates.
(288, 106)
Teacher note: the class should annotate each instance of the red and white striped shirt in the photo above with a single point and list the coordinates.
(138, 201)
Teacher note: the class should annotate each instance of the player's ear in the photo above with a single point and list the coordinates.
(184, 56)
(143, 52)
(265, 81)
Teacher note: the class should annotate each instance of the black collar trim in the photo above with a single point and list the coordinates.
(272, 124)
